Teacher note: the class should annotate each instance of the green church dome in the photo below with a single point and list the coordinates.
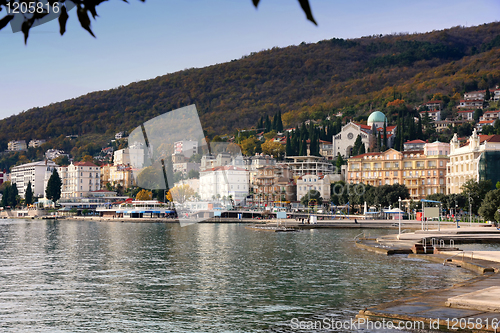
(376, 117)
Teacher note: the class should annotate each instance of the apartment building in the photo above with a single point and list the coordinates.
(274, 184)
(422, 171)
(79, 179)
(16, 145)
(435, 115)
(479, 155)
(117, 175)
(35, 173)
(320, 183)
(312, 165)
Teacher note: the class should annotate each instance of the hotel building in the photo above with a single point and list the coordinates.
(422, 171)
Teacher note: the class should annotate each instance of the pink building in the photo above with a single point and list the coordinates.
(436, 149)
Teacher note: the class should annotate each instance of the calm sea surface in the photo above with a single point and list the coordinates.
(130, 277)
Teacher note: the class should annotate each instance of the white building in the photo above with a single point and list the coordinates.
(186, 148)
(343, 142)
(320, 183)
(34, 172)
(52, 154)
(471, 104)
(79, 179)
(36, 143)
(464, 160)
(490, 115)
(435, 115)
(224, 181)
(16, 145)
(312, 165)
(466, 114)
(133, 156)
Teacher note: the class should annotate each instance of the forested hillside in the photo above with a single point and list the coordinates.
(304, 81)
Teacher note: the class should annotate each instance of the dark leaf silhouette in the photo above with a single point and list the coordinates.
(63, 18)
(307, 9)
(4, 21)
(84, 19)
(85, 6)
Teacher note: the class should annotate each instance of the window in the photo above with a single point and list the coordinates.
(435, 173)
(440, 163)
(395, 173)
(387, 173)
(428, 172)
(404, 173)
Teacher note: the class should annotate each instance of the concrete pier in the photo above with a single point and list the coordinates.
(471, 306)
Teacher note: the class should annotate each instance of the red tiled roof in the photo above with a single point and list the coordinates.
(470, 100)
(495, 111)
(465, 111)
(434, 102)
(388, 128)
(325, 142)
(486, 122)
(363, 126)
(415, 141)
(489, 138)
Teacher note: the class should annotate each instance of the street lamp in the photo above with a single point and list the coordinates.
(399, 215)
(470, 211)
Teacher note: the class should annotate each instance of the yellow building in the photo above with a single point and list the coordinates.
(422, 171)
(117, 175)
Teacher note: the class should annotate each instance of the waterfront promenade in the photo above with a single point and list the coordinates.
(473, 305)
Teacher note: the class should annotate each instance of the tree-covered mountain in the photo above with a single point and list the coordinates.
(302, 82)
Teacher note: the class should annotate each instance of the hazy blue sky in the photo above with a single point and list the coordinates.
(138, 41)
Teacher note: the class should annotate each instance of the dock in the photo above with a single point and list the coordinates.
(471, 306)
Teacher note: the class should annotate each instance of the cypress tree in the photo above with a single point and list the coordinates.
(274, 125)
(267, 125)
(13, 193)
(303, 148)
(28, 196)
(5, 197)
(361, 149)
(296, 143)
(53, 190)
(385, 136)
(357, 145)
(420, 132)
(279, 125)
(379, 142)
(487, 95)
(288, 148)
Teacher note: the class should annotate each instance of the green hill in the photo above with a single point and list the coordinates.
(304, 81)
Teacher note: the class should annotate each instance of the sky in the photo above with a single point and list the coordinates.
(138, 41)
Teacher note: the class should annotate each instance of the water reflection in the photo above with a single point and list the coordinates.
(152, 277)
